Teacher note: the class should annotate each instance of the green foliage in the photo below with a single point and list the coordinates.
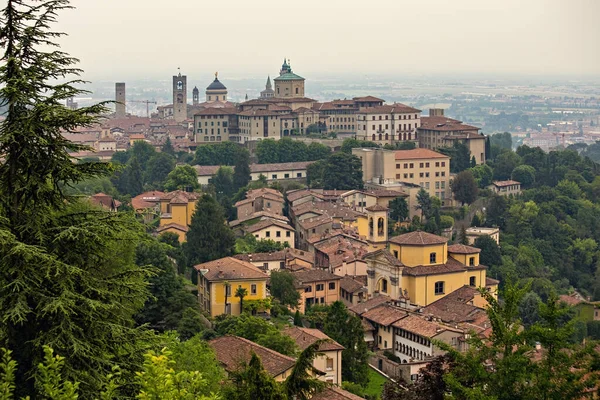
(399, 209)
(241, 174)
(257, 330)
(190, 324)
(289, 150)
(346, 329)
(297, 319)
(400, 146)
(303, 381)
(504, 165)
(183, 177)
(208, 238)
(169, 299)
(350, 144)
(495, 214)
(524, 174)
(424, 203)
(158, 168)
(249, 244)
(167, 147)
(483, 174)
(446, 222)
(253, 382)
(460, 156)
(283, 288)
(465, 187)
(502, 140)
(337, 171)
(226, 153)
(490, 252)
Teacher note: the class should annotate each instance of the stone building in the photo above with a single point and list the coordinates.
(179, 97)
(288, 84)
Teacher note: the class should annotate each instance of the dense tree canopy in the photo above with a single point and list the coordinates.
(464, 187)
(289, 150)
(338, 171)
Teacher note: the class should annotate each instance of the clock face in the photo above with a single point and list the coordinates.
(179, 85)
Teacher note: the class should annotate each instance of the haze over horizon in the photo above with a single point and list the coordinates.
(141, 39)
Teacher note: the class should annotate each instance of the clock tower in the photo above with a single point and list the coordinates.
(179, 97)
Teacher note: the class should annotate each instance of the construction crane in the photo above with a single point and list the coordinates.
(147, 102)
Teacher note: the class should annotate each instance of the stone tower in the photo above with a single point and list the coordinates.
(179, 97)
(195, 96)
(288, 84)
(268, 92)
(120, 110)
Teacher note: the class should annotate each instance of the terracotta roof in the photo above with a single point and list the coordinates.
(294, 195)
(367, 98)
(505, 183)
(206, 170)
(229, 268)
(104, 200)
(384, 314)
(284, 254)
(267, 223)
(367, 326)
(257, 113)
(173, 225)
(255, 193)
(454, 309)
(350, 285)
(376, 207)
(363, 307)
(310, 223)
(217, 111)
(418, 154)
(335, 393)
(418, 238)
(280, 166)
(304, 337)
(259, 214)
(491, 281)
(444, 124)
(451, 266)
(389, 109)
(233, 352)
(462, 249)
(146, 200)
(464, 294)
(419, 326)
(180, 194)
(572, 299)
(314, 275)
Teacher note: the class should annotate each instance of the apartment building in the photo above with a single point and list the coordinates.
(388, 123)
(215, 125)
(426, 168)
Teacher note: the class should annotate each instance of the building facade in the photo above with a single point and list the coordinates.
(388, 124)
(179, 97)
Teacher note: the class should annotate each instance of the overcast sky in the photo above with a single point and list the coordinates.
(124, 39)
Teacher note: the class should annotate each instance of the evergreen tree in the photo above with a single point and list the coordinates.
(253, 382)
(465, 187)
(490, 252)
(303, 383)
(462, 238)
(297, 319)
(134, 177)
(158, 168)
(209, 238)
(399, 209)
(67, 273)
(347, 330)
(424, 204)
(167, 147)
(283, 289)
(241, 173)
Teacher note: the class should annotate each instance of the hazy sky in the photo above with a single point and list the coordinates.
(124, 39)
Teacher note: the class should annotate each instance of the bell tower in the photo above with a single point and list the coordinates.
(179, 97)
(377, 217)
(195, 96)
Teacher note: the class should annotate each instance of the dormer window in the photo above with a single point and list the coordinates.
(472, 261)
(432, 258)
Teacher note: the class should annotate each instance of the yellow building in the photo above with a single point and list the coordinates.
(426, 168)
(316, 286)
(421, 268)
(176, 210)
(218, 281)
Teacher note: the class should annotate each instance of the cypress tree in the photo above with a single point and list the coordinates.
(67, 272)
(241, 173)
(209, 238)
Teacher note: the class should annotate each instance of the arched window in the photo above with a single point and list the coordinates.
(380, 136)
(371, 226)
(384, 286)
(387, 136)
(373, 137)
(380, 226)
(432, 258)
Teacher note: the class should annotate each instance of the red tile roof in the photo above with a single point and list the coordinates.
(304, 337)
(363, 307)
(462, 249)
(173, 225)
(367, 99)
(420, 326)
(384, 314)
(418, 238)
(233, 352)
(146, 200)
(445, 124)
(314, 275)
(229, 268)
(335, 393)
(389, 109)
(267, 223)
(418, 154)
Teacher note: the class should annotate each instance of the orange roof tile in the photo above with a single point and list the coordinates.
(229, 268)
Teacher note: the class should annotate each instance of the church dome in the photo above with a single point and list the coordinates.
(216, 85)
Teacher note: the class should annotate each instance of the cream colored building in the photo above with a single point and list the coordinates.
(437, 131)
(426, 168)
(316, 286)
(329, 359)
(214, 125)
(506, 188)
(270, 229)
(388, 124)
(475, 231)
(258, 125)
